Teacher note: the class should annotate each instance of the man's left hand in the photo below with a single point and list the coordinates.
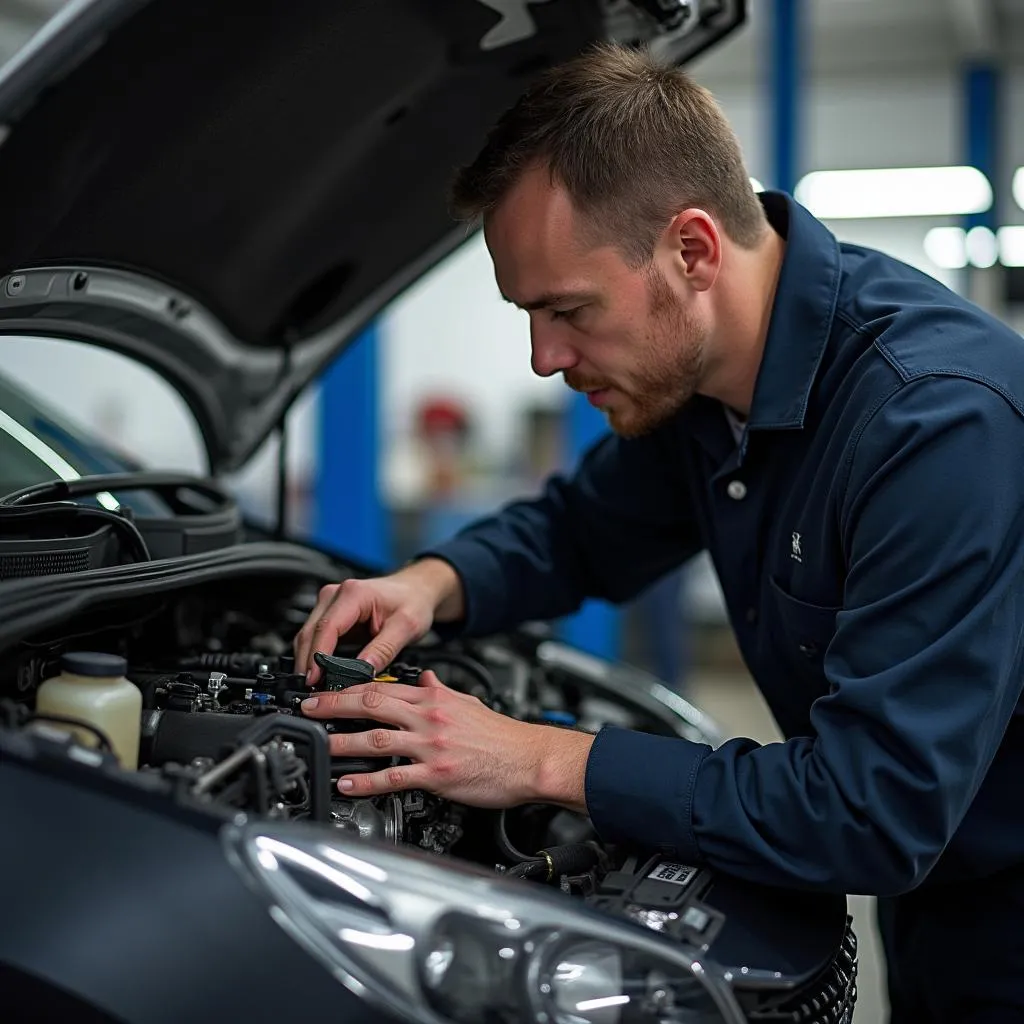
(460, 749)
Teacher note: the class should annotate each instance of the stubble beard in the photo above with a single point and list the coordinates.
(670, 366)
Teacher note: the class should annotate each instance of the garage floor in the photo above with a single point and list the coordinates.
(733, 701)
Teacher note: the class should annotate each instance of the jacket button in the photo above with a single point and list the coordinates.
(737, 490)
(808, 650)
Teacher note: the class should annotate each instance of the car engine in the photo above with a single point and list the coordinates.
(222, 723)
(222, 728)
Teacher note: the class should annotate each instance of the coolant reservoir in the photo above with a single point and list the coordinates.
(92, 689)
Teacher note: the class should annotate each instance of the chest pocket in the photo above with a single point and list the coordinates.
(804, 633)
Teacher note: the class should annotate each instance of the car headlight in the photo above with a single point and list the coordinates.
(445, 942)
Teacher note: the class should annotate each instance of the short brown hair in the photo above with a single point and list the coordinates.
(632, 140)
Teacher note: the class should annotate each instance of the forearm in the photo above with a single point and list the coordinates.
(559, 767)
(438, 576)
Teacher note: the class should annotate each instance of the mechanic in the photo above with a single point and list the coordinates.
(843, 434)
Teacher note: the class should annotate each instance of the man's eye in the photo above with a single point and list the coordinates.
(564, 314)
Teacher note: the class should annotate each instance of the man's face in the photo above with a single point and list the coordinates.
(623, 336)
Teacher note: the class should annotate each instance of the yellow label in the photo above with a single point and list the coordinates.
(385, 679)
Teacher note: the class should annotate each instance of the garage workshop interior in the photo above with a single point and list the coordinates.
(256, 357)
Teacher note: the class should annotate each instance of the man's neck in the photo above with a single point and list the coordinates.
(743, 314)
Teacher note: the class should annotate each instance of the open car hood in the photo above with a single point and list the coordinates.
(229, 194)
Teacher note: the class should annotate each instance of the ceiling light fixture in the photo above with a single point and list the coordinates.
(946, 248)
(895, 192)
(1018, 186)
(1011, 245)
(982, 250)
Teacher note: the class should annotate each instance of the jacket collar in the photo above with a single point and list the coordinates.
(802, 315)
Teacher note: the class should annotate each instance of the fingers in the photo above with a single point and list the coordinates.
(338, 609)
(430, 681)
(390, 780)
(398, 631)
(304, 638)
(382, 742)
(400, 691)
(373, 703)
(395, 617)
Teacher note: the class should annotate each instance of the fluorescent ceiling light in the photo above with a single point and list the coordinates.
(1018, 186)
(756, 185)
(982, 250)
(1011, 245)
(946, 247)
(954, 248)
(895, 192)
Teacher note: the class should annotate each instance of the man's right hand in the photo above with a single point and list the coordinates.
(399, 609)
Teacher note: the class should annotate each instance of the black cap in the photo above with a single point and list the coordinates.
(91, 663)
(339, 673)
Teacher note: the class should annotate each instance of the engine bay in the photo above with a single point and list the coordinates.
(222, 731)
(221, 701)
(222, 725)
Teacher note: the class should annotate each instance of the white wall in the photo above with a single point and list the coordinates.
(894, 121)
(453, 334)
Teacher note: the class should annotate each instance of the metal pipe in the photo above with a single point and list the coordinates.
(221, 771)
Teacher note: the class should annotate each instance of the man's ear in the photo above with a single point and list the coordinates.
(696, 248)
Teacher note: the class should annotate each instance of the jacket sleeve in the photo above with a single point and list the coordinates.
(623, 519)
(924, 673)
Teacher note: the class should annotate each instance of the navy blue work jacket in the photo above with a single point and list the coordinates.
(868, 533)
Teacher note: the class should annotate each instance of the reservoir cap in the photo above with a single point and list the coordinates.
(92, 663)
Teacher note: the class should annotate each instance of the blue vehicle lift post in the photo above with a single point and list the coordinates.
(785, 51)
(981, 112)
(349, 512)
(981, 116)
(597, 626)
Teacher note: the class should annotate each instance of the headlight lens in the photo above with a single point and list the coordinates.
(444, 942)
(594, 982)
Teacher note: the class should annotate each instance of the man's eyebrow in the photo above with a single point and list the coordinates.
(549, 299)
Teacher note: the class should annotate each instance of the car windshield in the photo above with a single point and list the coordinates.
(37, 444)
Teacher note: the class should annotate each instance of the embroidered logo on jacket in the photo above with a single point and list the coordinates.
(795, 550)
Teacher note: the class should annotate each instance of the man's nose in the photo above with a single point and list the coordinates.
(550, 352)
